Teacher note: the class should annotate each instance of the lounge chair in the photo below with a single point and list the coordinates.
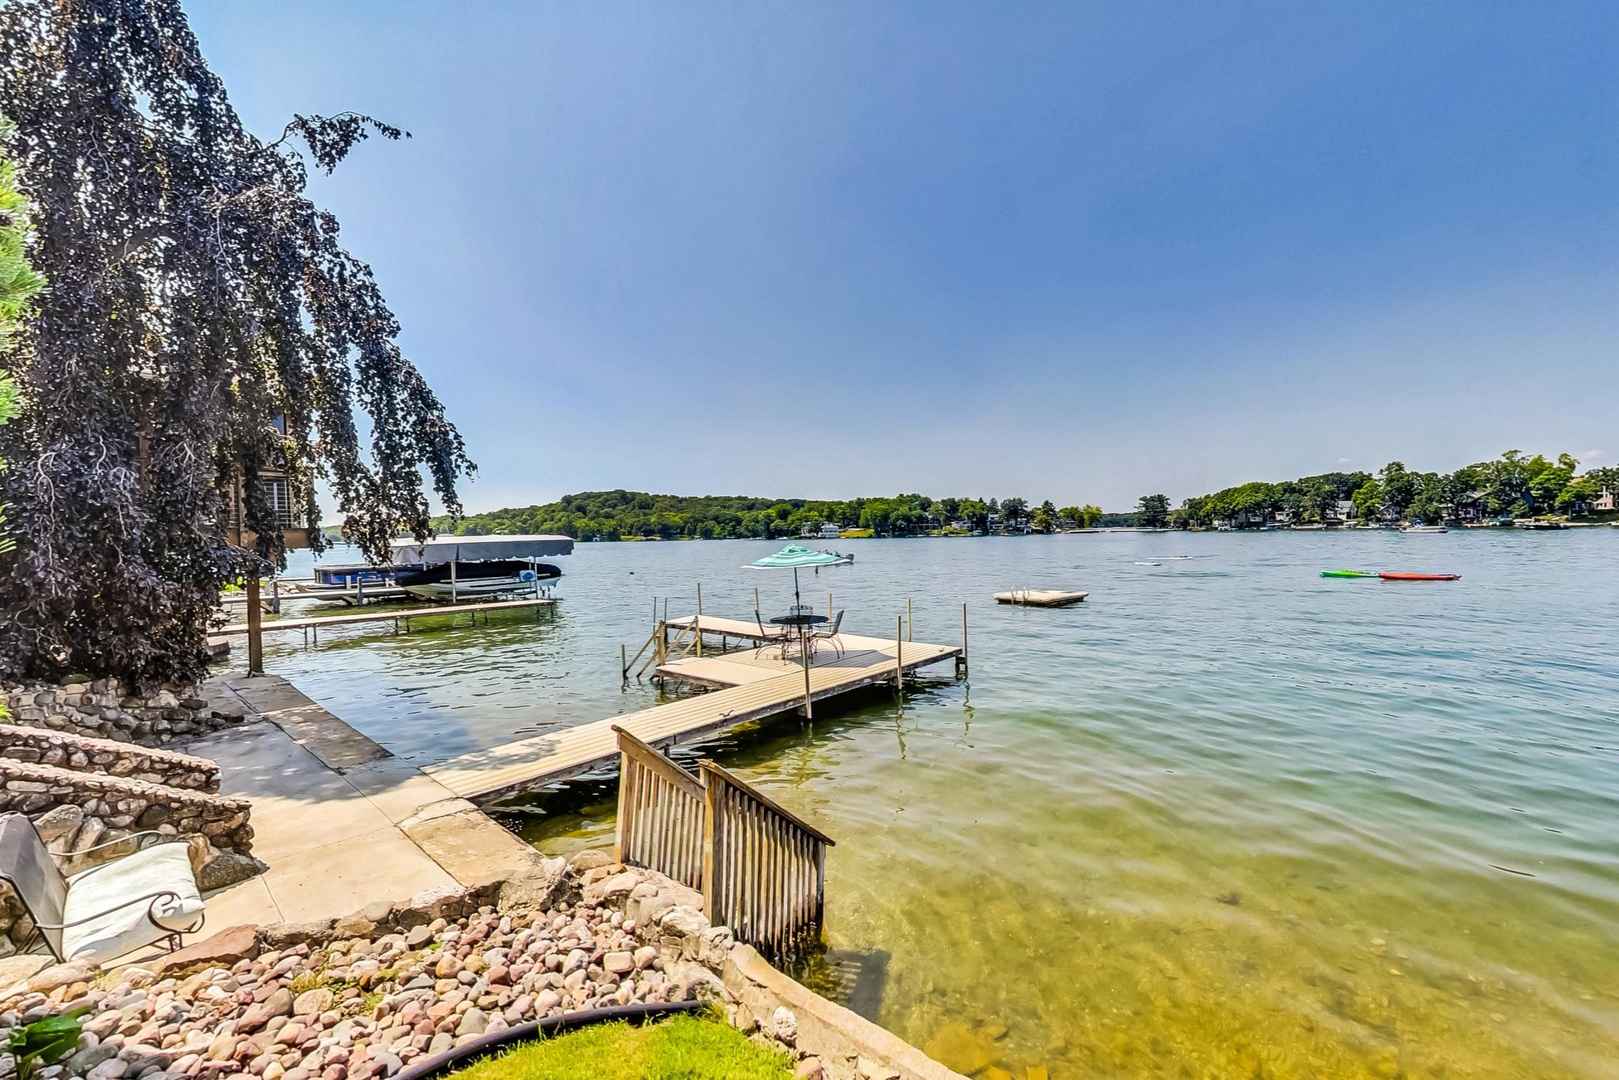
(108, 910)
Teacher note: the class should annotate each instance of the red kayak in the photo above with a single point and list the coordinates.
(1420, 577)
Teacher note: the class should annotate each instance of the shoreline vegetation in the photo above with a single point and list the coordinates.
(1509, 488)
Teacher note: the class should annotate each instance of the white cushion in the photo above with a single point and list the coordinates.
(127, 928)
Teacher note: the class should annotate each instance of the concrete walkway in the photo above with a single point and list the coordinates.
(341, 822)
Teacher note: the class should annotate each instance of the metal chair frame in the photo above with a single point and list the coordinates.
(38, 900)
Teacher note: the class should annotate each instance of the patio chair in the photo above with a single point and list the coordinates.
(830, 635)
(775, 634)
(107, 910)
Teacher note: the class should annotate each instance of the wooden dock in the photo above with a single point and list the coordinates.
(751, 684)
(398, 616)
(1040, 597)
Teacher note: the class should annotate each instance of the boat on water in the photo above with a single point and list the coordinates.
(1425, 529)
(479, 567)
(1420, 577)
(1532, 523)
(479, 579)
(354, 583)
(1349, 573)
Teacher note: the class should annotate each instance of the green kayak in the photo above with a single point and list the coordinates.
(1347, 573)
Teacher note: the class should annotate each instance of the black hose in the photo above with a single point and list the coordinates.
(639, 1013)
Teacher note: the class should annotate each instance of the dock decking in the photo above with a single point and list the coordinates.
(385, 615)
(1040, 597)
(753, 684)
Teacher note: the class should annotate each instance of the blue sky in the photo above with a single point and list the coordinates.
(1075, 251)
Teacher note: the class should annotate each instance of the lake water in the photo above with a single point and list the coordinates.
(1224, 819)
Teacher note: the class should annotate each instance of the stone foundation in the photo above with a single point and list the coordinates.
(109, 709)
(39, 746)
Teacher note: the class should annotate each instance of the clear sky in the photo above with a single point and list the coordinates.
(1070, 250)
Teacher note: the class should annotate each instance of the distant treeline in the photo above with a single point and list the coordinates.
(614, 515)
(1510, 486)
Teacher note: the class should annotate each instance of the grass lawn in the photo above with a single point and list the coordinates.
(681, 1048)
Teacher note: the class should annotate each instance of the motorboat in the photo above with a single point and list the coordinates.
(471, 580)
(1537, 524)
(472, 567)
(354, 583)
(1425, 529)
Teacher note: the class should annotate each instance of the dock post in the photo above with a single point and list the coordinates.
(275, 595)
(452, 581)
(909, 624)
(623, 665)
(804, 654)
(756, 599)
(961, 664)
(899, 653)
(255, 625)
(697, 628)
(829, 606)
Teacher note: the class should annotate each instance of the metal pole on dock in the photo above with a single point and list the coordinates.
(756, 599)
(899, 653)
(623, 665)
(829, 605)
(452, 581)
(698, 627)
(909, 625)
(275, 595)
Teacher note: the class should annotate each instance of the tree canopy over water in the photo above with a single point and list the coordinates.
(196, 296)
(1513, 485)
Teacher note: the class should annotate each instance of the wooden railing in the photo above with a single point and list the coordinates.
(660, 813)
(761, 868)
(764, 868)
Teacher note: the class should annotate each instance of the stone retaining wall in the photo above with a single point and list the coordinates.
(110, 806)
(40, 746)
(75, 811)
(110, 709)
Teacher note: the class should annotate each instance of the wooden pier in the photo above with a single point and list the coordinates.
(400, 617)
(750, 684)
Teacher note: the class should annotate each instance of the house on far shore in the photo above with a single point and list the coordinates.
(1470, 507)
(1603, 502)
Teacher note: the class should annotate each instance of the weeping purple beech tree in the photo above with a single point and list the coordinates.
(195, 294)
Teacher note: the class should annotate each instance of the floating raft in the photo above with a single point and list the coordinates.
(1420, 577)
(1040, 597)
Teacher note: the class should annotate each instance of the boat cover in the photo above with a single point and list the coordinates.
(473, 548)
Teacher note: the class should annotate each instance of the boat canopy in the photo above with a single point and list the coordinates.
(445, 549)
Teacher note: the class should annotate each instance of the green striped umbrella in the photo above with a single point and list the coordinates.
(792, 557)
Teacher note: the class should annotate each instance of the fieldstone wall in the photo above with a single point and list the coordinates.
(41, 746)
(110, 709)
(76, 810)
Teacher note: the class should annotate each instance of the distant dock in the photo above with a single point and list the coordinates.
(1040, 597)
(400, 617)
(749, 684)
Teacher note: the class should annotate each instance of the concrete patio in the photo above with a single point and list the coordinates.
(341, 822)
